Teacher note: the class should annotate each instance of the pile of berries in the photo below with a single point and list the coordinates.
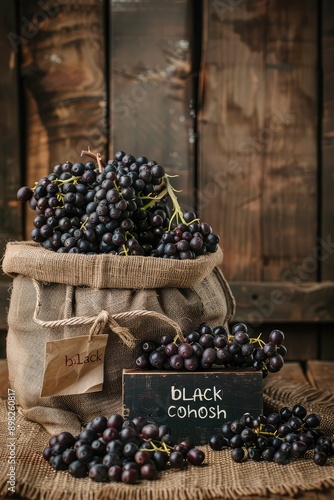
(208, 346)
(116, 449)
(280, 437)
(125, 207)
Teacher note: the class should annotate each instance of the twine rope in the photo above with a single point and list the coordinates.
(103, 320)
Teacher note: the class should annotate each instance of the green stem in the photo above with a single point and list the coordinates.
(178, 214)
(260, 432)
(158, 446)
(154, 200)
(117, 188)
(170, 191)
(192, 221)
(125, 250)
(127, 234)
(257, 340)
(60, 196)
(166, 447)
(83, 224)
(73, 179)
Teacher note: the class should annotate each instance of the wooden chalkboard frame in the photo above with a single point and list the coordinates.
(193, 404)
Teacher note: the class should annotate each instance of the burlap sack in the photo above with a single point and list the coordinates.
(56, 296)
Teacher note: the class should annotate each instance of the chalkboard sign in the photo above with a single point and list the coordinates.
(193, 404)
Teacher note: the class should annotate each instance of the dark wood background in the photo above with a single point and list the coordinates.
(235, 96)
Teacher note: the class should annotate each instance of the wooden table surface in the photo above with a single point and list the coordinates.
(319, 374)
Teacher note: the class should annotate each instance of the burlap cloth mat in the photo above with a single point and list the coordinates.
(219, 478)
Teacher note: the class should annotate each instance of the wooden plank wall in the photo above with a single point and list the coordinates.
(63, 73)
(232, 107)
(11, 222)
(289, 188)
(259, 170)
(250, 148)
(327, 159)
(258, 136)
(152, 85)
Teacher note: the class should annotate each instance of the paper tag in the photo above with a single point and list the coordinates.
(74, 365)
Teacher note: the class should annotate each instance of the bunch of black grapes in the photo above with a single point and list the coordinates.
(281, 437)
(207, 346)
(126, 207)
(120, 450)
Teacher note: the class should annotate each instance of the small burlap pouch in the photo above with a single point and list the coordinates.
(58, 296)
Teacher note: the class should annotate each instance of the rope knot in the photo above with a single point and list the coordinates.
(99, 324)
(122, 331)
(104, 320)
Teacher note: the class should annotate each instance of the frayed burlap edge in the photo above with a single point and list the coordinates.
(98, 271)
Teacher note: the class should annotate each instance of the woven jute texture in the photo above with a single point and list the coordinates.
(106, 271)
(218, 478)
(46, 306)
